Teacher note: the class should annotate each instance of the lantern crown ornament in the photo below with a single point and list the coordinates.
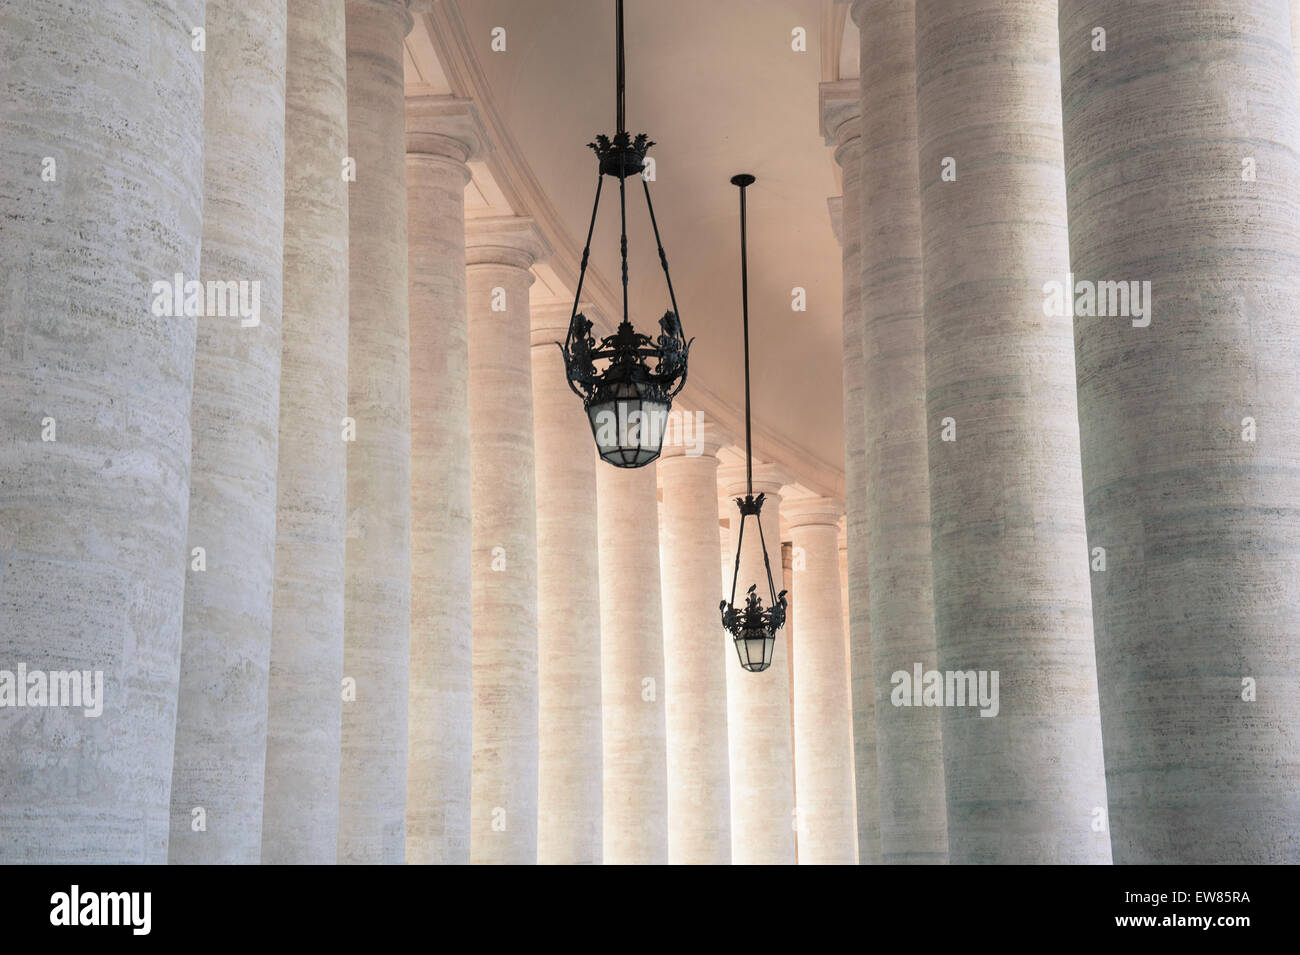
(753, 627)
(628, 398)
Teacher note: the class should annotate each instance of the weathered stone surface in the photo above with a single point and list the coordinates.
(1011, 587)
(632, 668)
(377, 645)
(220, 759)
(503, 796)
(92, 523)
(300, 810)
(442, 135)
(913, 808)
(569, 789)
(823, 734)
(1201, 589)
(841, 121)
(695, 655)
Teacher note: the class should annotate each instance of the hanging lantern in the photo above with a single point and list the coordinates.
(753, 627)
(628, 400)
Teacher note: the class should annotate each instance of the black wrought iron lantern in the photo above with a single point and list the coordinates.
(753, 627)
(628, 399)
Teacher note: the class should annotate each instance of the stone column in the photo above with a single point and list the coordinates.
(1295, 37)
(300, 810)
(909, 752)
(220, 756)
(843, 543)
(1190, 414)
(377, 647)
(695, 650)
(503, 799)
(758, 704)
(823, 739)
(442, 134)
(1011, 590)
(841, 126)
(568, 607)
(787, 584)
(632, 668)
(99, 210)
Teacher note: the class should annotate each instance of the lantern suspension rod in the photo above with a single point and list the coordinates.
(663, 256)
(744, 180)
(622, 211)
(586, 255)
(621, 71)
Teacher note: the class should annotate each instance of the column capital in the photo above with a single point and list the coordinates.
(692, 434)
(840, 105)
(512, 241)
(550, 320)
(444, 128)
(401, 8)
(768, 479)
(805, 511)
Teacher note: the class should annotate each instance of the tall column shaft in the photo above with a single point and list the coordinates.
(220, 757)
(569, 827)
(372, 776)
(695, 654)
(632, 668)
(1196, 507)
(442, 134)
(102, 196)
(1295, 37)
(300, 810)
(841, 123)
(823, 738)
(503, 795)
(1011, 587)
(848, 670)
(758, 704)
(909, 752)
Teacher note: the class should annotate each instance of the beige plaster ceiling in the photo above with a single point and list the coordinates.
(718, 87)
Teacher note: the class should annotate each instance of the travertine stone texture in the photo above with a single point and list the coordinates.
(568, 607)
(220, 757)
(442, 134)
(841, 122)
(791, 632)
(632, 668)
(758, 704)
(823, 737)
(909, 752)
(503, 796)
(1011, 585)
(695, 654)
(92, 523)
(848, 667)
(1295, 37)
(300, 810)
(372, 774)
(1201, 590)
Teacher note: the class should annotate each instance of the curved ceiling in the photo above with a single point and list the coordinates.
(719, 88)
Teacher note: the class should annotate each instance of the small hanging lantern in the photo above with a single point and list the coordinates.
(628, 401)
(753, 627)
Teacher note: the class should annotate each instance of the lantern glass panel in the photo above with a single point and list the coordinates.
(628, 428)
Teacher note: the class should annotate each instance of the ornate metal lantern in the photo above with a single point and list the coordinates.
(753, 627)
(628, 400)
